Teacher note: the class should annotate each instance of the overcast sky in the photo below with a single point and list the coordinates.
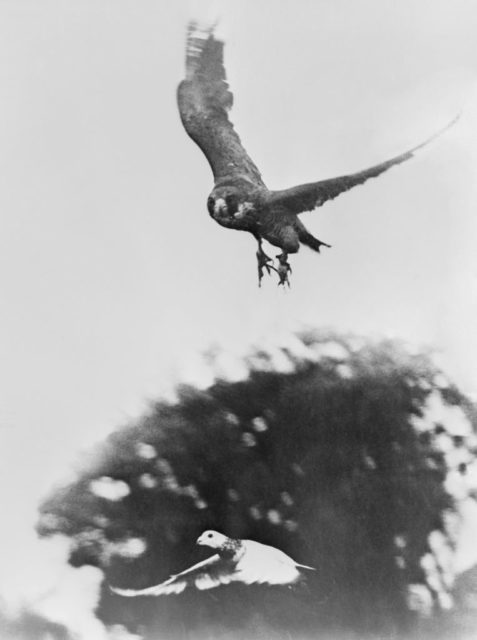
(112, 272)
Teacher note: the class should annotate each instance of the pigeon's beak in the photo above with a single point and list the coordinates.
(199, 540)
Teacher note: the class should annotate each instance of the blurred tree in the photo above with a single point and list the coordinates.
(348, 455)
(28, 625)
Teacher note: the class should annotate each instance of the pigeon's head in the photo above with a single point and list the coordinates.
(212, 539)
(227, 207)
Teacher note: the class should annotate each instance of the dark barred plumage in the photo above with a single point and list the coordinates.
(231, 549)
(240, 200)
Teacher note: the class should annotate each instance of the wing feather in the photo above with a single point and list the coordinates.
(204, 575)
(204, 100)
(307, 197)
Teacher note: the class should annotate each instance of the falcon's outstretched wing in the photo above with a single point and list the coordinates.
(306, 197)
(203, 575)
(204, 100)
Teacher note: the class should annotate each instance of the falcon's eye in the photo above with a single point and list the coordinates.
(210, 205)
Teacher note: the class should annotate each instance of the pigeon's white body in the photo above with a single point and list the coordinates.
(244, 561)
(261, 563)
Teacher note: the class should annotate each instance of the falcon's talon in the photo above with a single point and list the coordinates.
(283, 270)
(263, 263)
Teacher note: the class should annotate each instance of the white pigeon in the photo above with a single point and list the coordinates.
(243, 561)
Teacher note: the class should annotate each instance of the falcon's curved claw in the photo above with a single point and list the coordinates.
(263, 263)
(283, 270)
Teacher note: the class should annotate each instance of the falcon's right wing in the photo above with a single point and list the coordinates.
(204, 575)
(204, 100)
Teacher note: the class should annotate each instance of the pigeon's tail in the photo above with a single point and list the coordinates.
(305, 566)
(309, 240)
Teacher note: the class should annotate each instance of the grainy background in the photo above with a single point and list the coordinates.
(112, 273)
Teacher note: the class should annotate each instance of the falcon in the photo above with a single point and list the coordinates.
(240, 200)
(235, 560)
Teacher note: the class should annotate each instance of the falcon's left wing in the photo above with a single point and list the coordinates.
(306, 197)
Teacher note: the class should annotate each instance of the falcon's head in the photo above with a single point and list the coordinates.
(212, 539)
(227, 207)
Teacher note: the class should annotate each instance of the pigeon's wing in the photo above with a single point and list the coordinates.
(204, 100)
(307, 197)
(203, 575)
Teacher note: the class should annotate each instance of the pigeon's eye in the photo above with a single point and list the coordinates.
(209, 535)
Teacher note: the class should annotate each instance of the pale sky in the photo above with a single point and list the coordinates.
(112, 272)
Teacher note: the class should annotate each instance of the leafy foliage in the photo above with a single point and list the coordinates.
(326, 449)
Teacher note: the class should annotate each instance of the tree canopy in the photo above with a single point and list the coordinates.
(347, 454)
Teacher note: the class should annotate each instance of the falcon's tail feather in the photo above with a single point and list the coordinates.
(200, 42)
(310, 241)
